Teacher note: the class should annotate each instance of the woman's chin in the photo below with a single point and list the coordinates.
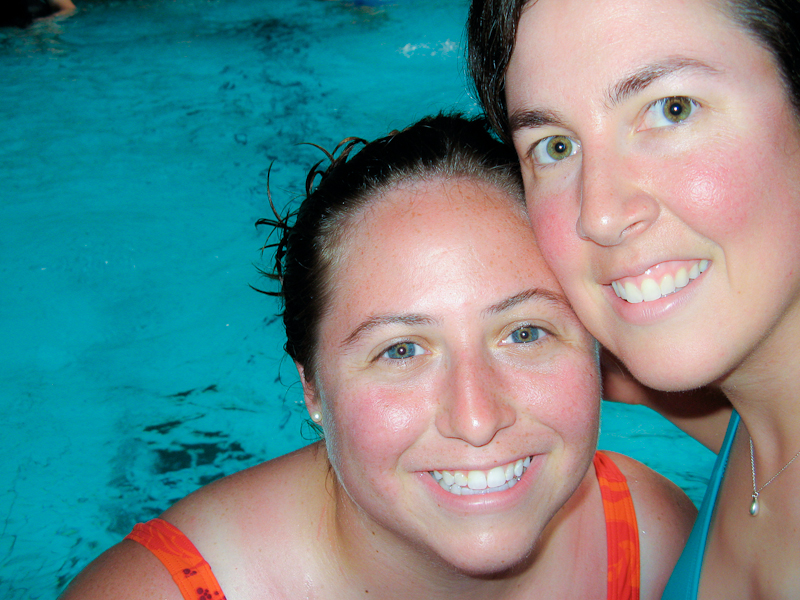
(488, 559)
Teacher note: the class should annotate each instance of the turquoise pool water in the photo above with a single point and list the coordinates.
(136, 362)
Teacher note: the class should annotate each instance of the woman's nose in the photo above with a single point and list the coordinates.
(614, 202)
(472, 407)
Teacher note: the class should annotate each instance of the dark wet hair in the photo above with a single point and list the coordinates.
(440, 147)
(492, 30)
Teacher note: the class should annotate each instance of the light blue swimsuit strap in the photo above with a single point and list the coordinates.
(685, 578)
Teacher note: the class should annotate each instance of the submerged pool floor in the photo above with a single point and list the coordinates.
(136, 362)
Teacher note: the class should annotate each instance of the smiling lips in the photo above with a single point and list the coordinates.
(660, 281)
(497, 479)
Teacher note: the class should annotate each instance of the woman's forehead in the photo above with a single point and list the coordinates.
(432, 233)
(579, 50)
(438, 207)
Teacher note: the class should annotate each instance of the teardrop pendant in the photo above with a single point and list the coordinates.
(754, 506)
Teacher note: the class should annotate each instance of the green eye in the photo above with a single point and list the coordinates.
(554, 148)
(677, 109)
(668, 112)
(559, 147)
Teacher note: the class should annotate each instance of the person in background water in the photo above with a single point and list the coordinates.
(660, 148)
(23, 13)
(458, 396)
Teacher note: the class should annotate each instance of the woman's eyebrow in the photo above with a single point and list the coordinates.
(380, 320)
(370, 323)
(559, 301)
(533, 118)
(641, 78)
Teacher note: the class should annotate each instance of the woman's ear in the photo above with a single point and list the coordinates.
(310, 395)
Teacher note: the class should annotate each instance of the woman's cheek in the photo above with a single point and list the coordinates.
(382, 417)
(581, 387)
(568, 397)
(707, 195)
(554, 227)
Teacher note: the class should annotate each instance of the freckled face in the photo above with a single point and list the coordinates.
(448, 346)
(656, 137)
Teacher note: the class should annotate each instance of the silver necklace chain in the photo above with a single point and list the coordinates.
(754, 506)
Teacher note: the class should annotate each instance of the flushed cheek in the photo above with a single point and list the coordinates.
(380, 424)
(554, 219)
(745, 210)
(569, 400)
(732, 179)
(583, 405)
(712, 198)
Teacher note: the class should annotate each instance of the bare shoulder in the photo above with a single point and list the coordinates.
(125, 571)
(255, 527)
(261, 495)
(246, 526)
(665, 516)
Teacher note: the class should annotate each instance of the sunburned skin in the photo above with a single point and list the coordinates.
(659, 281)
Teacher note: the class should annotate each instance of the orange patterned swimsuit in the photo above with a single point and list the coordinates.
(196, 581)
(622, 531)
(186, 565)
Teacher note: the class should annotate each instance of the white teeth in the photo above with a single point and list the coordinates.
(632, 293)
(681, 278)
(667, 285)
(496, 477)
(649, 289)
(478, 482)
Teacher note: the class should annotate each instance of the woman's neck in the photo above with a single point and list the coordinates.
(765, 389)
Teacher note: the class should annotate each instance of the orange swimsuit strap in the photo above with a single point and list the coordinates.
(186, 565)
(622, 531)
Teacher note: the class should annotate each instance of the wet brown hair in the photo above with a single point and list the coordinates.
(442, 146)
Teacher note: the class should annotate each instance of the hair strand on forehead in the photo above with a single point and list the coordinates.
(358, 174)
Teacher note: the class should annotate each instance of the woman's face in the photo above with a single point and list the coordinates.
(662, 163)
(448, 350)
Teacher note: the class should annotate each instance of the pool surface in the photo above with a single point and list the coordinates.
(136, 363)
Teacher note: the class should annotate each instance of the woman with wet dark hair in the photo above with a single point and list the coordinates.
(458, 397)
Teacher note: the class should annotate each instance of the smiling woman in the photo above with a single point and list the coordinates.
(459, 398)
(661, 158)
